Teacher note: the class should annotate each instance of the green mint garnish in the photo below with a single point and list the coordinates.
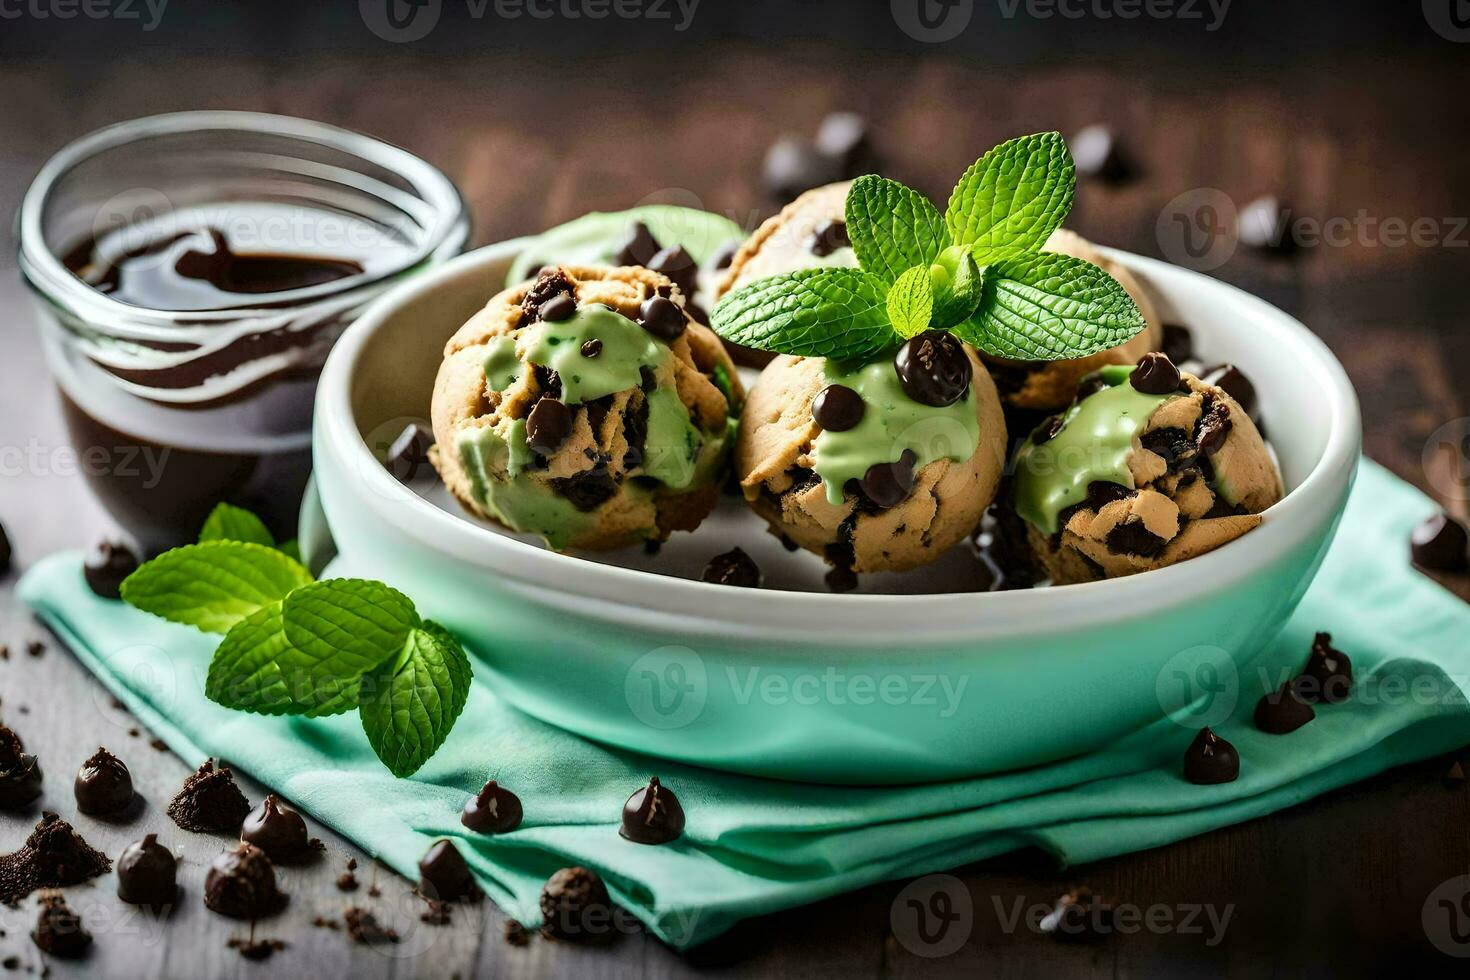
(987, 279)
(295, 646)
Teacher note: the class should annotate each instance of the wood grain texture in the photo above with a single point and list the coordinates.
(1332, 887)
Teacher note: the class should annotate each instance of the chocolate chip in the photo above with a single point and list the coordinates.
(1234, 383)
(560, 307)
(588, 490)
(107, 564)
(1213, 428)
(1100, 493)
(1134, 538)
(662, 318)
(838, 408)
(493, 810)
(653, 814)
(734, 567)
(842, 137)
(1096, 152)
(549, 284)
(548, 426)
(277, 830)
(1178, 345)
(1265, 224)
(828, 237)
(210, 801)
(242, 884)
(1048, 430)
(147, 873)
(1440, 544)
(59, 931)
(575, 906)
(20, 773)
(676, 263)
(640, 248)
(1174, 445)
(1155, 375)
(408, 456)
(933, 368)
(1078, 916)
(444, 876)
(1210, 760)
(592, 348)
(889, 484)
(1327, 675)
(793, 165)
(103, 786)
(1283, 711)
(1090, 385)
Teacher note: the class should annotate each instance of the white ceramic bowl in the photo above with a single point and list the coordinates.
(843, 688)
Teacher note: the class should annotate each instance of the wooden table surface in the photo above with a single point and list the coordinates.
(1332, 887)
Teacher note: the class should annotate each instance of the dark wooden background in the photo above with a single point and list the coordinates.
(1360, 111)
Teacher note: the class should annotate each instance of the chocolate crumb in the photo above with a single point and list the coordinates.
(158, 744)
(516, 934)
(36, 648)
(322, 922)
(210, 801)
(256, 949)
(364, 928)
(59, 931)
(347, 882)
(54, 855)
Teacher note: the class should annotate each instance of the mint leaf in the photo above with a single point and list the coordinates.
(1013, 197)
(345, 626)
(911, 302)
(214, 585)
(956, 282)
(410, 703)
(229, 523)
(1042, 306)
(829, 312)
(256, 669)
(893, 228)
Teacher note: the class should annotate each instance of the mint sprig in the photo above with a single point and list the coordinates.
(296, 646)
(986, 278)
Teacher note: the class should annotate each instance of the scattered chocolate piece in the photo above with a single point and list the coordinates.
(828, 237)
(575, 906)
(1134, 538)
(106, 565)
(679, 266)
(444, 875)
(59, 931)
(53, 856)
(493, 810)
(560, 307)
(1234, 383)
(1327, 675)
(256, 949)
(1178, 343)
(347, 882)
(374, 891)
(592, 348)
(147, 873)
(516, 934)
(1214, 428)
(1440, 544)
(437, 913)
(242, 884)
(103, 787)
(408, 456)
(277, 830)
(548, 426)
(1210, 760)
(364, 928)
(662, 318)
(1100, 493)
(933, 368)
(842, 137)
(793, 165)
(1079, 915)
(1283, 711)
(322, 922)
(838, 408)
(158, 745)
(20, 773)
(889, 484)
(640, 248)
(36, 648)
(1265, 224)
(1155, 375)
(210, 801)
(1096, 153)
(652, 815)
(734, 567)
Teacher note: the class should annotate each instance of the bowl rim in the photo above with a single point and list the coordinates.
(595, 588)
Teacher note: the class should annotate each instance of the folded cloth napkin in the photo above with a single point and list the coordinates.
(754, 846)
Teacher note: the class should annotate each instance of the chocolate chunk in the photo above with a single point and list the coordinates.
(210, 801)
(592, 348)
(1134, 538)
(277, 830)
(444, 876)
(734, 567)
(1174, 445)
(364, 928)
(1048, 430)
(408, 456)
(1234, 383)
(588, 490)
(842, 137)
(493, 810)
(516, 934)
(548, 382)
(676, 263)
(548, 426)
(53, 856)
(889, 484)
(1327, 675)
(1090, 385)
(103, 786)
(1283, 711)
(1155, 375)
(1265, 224)
(242, 884)
(1440, 544)
(560, 307)
(793, 165)
(635, 434)
(1178, 343)
(1213, 428)
(1210, 760)
(640, 248)
(1078, 916)
(20, 773)
(549, 284)
(838, 408)
(724, 255)
(147, 873)
(662, 318)
(653, 814)
(933, 368)
(1096, 152)
(828, 237)
(107, 564)
(59, 931)
(575, 906)
(1100, 493)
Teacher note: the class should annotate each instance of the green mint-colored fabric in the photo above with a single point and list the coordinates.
(754, 846)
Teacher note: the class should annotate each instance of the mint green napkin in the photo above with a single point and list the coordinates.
(754, 846)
